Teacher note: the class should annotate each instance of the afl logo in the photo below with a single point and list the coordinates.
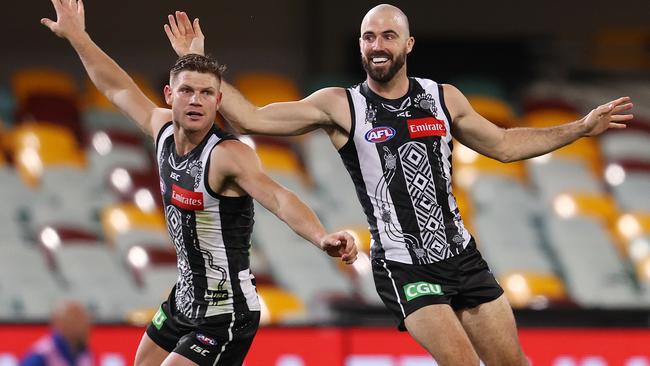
(380, 134)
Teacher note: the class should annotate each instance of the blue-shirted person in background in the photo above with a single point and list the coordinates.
(67, 342)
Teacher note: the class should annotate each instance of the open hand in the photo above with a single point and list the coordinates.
(70, 20)
(186, 37)
(340, 244)
(608, 115)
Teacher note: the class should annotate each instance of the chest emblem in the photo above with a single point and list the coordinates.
(426, 102)
(380, 134)
(428, 126)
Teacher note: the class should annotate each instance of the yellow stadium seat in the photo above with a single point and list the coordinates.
(493, 109)
(279, 305)
(34, 147)
(124, 217)
(264, 88)
(278, 158)
(526, 289)
(41, 136)
(633, 225)
(42, 81)
(549, 117)
(601, 206)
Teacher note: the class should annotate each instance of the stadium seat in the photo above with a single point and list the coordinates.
(264, 88)
(510, 242)
(536, 290)
(493, 109)
(555, 176)
(582, 245)
(280, 306)
(28, 81)
(632, 193)
(123, 217)
(60, 110)
(626, 145)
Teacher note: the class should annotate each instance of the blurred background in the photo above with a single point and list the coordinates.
(567, 234)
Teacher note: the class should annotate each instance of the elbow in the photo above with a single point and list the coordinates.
(504, 155)
(241, 128)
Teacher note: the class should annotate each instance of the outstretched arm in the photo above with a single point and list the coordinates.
(325, 108)
(238, 162)
(107, 76)
(513, 144)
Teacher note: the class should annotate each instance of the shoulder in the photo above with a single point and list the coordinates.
(232, 156)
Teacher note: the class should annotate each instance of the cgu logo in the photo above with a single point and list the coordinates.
(417, 289)
(380, 134)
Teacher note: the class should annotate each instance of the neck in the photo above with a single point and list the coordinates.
(395, 88)
(186, 140)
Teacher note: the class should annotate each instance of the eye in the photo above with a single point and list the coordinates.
(368, 37)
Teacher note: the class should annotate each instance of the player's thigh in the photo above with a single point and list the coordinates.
(149, 353)
(439, 331)
(491, 328)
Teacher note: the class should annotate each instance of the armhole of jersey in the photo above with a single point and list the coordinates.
(441, 95)
(162, 130)
(206, 182)
(353, 120)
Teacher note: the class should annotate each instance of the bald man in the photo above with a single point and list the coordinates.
(394, 135)
(66, 344)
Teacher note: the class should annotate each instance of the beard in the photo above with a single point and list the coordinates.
(383, 76)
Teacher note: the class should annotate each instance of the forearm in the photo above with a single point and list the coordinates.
(525, 143)
(236, 109)
(300, 218)
(108, 76)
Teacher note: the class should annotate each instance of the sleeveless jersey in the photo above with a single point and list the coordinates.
(399, 158)
(211, 233)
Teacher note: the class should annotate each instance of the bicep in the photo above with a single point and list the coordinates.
(299, 117)
(469, 127)
(241, 164)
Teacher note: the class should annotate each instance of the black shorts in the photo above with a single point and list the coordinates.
(463, 281)
(216, 340)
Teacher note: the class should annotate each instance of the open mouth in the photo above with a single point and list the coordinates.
(379, 60)
(193, 115)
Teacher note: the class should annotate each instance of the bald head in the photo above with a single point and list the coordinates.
(72, 321)
(386, 15)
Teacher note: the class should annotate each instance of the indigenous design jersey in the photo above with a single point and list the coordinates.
(211, 233)
(399, 157)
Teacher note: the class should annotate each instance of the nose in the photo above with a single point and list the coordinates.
(195, 99)
(378, 44)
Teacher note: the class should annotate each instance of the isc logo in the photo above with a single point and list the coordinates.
(379, 134)
(199, 350)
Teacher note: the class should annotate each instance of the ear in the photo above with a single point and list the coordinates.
(219, 97)
(168, 95)
(409, 44)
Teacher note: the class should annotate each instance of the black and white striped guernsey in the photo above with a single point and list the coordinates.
(211, 233)
(399, 158)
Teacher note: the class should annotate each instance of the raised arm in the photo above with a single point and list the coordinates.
(107, 76)
(513, 144)
(327, 108)
(238, 162)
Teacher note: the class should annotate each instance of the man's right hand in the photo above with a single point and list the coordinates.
(69, 19)
(185, 36)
